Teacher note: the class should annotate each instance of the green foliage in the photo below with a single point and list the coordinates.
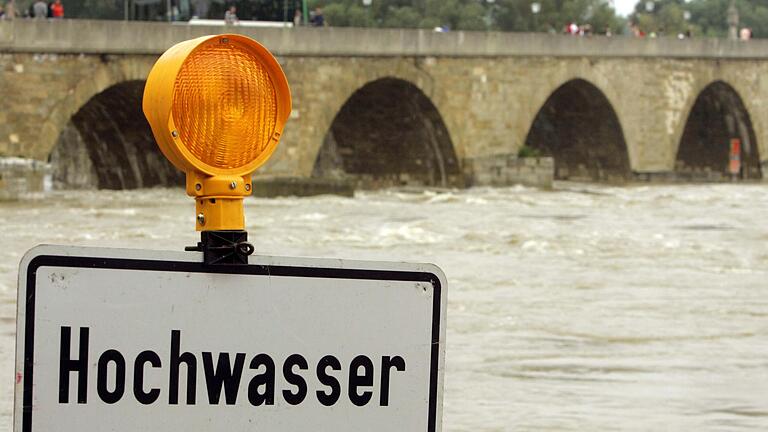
(604, 18)
(92, 9)
(756, 18)
(666, 18)
(101, 9)
(707, 17)
(357, 16)
(516, 15)
(336, 14)
(505, 15)
(526, 151)
(402, 17)
(472, 17)
(345, 15)
(710, 16)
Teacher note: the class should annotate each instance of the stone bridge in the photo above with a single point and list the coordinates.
(402, 106)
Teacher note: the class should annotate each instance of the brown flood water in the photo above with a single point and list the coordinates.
(584, 308)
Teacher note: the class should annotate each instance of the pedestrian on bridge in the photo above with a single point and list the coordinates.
(201, 8)
(297, 18)
(57, 10)
(318, 20)
(230, 16)
(10, 10)
(40, 10)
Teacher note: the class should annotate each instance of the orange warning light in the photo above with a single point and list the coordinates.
(217, 106)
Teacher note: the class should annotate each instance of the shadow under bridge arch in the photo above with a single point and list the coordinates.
(108, 144)
(718, 116)
(578, 127)
(388, 133)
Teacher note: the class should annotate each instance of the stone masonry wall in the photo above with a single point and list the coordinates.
(41, 93)
(20, 177)
(509, 170)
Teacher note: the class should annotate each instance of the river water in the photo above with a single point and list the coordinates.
(584, 308)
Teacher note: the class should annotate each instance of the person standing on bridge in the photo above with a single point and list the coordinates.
(57, 10)
(318, 20)
(230, 16)
(745, 34)
(10, 10)
(297, 18)
(201, 9)
(40, 10)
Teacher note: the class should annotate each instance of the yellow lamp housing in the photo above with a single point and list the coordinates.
(217, 106)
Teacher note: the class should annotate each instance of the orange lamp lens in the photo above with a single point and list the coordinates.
(224, 104)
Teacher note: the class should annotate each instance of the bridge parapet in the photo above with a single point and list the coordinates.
(131, 37)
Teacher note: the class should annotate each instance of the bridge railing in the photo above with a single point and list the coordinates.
(132, 37)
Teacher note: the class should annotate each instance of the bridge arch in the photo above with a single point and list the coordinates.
(387, 133)
(69, 93)
(717, 115)
(578, 126)
(108, 144)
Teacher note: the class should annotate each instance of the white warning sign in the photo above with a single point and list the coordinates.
(127, 340)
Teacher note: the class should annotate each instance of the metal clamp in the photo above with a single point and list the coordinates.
(223, 247)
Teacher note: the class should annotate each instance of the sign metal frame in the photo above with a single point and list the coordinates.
(169, 261)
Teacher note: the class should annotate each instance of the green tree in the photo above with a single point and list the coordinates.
(402, 17)
(665, 17)
(453, 14)
(707, 17)
(472, 17)
(554, 15)
(755, 18)
(711, 16)
(504, 15)
(88, 9)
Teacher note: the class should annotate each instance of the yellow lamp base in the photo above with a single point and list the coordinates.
(218, 200)
(219, 214)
